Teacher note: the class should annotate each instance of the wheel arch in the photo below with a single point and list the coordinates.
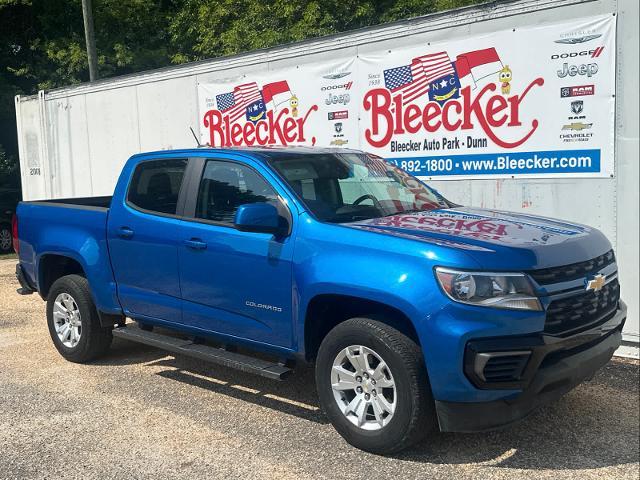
(52, 266)
(327, 310)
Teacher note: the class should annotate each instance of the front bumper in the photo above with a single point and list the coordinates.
(556, 366)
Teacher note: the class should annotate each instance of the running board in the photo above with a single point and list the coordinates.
(219, 356)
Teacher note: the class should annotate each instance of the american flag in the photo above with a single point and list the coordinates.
(413, 80)
(235, 103)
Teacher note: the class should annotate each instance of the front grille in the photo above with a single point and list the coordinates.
(573, 271)
(582, 310)
(505, 368)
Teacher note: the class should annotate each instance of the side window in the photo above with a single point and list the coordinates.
(225, 186)
(156, 184)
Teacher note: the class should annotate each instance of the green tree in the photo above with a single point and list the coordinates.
(204, 29)
(46, 39)
(42, 46)
(9, 170)
(42, 41)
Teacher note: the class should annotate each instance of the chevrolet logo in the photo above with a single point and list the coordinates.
(596, 283)
(577, 126)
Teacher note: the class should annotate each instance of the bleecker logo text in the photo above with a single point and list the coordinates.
(279, 129)
(389, 117)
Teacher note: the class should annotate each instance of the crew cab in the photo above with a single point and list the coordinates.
(418, 313)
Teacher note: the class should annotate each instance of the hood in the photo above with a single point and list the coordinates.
(497, 239)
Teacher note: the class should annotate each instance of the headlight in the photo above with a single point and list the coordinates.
(498, 290)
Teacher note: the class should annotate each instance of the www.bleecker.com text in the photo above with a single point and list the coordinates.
(540, 163)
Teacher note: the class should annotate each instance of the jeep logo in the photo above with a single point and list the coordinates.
(588, 69)
(342, 99)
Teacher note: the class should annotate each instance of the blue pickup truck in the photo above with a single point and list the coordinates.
(419, 314)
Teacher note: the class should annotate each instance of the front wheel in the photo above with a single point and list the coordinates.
(373, 386)
(73, 321)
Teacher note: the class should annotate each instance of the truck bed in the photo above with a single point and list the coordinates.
(71, 227)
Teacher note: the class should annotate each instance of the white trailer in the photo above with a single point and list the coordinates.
(73, 141)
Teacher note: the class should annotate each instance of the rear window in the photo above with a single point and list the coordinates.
(155, 185)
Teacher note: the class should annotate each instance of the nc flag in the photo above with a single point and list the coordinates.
(256, 111)
(445, 88)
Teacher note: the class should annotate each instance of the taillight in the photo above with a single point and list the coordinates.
(14, 232)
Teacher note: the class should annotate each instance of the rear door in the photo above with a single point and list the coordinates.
(143, 237)
(235, 283)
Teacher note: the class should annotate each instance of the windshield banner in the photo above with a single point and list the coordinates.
(529, 102)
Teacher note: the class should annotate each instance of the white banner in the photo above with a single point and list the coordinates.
(314, 105)
(531, 102)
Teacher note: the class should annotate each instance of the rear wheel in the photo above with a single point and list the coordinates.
(73, 321)
(373, 386)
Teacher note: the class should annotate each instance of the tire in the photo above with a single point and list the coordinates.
(414, 415)
(93, 340)
(6, 239)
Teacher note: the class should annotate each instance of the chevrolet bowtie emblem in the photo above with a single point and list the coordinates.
(578, 126)
(596, 283)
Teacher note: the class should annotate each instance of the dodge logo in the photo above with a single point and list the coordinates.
(596, 283)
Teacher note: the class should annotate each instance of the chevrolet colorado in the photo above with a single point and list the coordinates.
(418, 313)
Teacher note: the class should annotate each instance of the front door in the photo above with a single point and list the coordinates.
(143, 241)
(235, 283)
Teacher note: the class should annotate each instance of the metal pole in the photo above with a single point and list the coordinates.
(90, 38)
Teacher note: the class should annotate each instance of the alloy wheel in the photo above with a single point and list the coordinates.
(363, 387)
(67, 320)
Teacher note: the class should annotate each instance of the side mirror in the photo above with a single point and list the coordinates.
(258, 218)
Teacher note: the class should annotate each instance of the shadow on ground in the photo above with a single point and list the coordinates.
(594, 426)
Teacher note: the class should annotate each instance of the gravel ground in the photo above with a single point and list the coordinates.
(139, 413)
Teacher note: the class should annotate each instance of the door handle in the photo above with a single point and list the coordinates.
(125, 232)
(195, 244)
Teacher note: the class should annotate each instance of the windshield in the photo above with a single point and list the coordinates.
(347, 187)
